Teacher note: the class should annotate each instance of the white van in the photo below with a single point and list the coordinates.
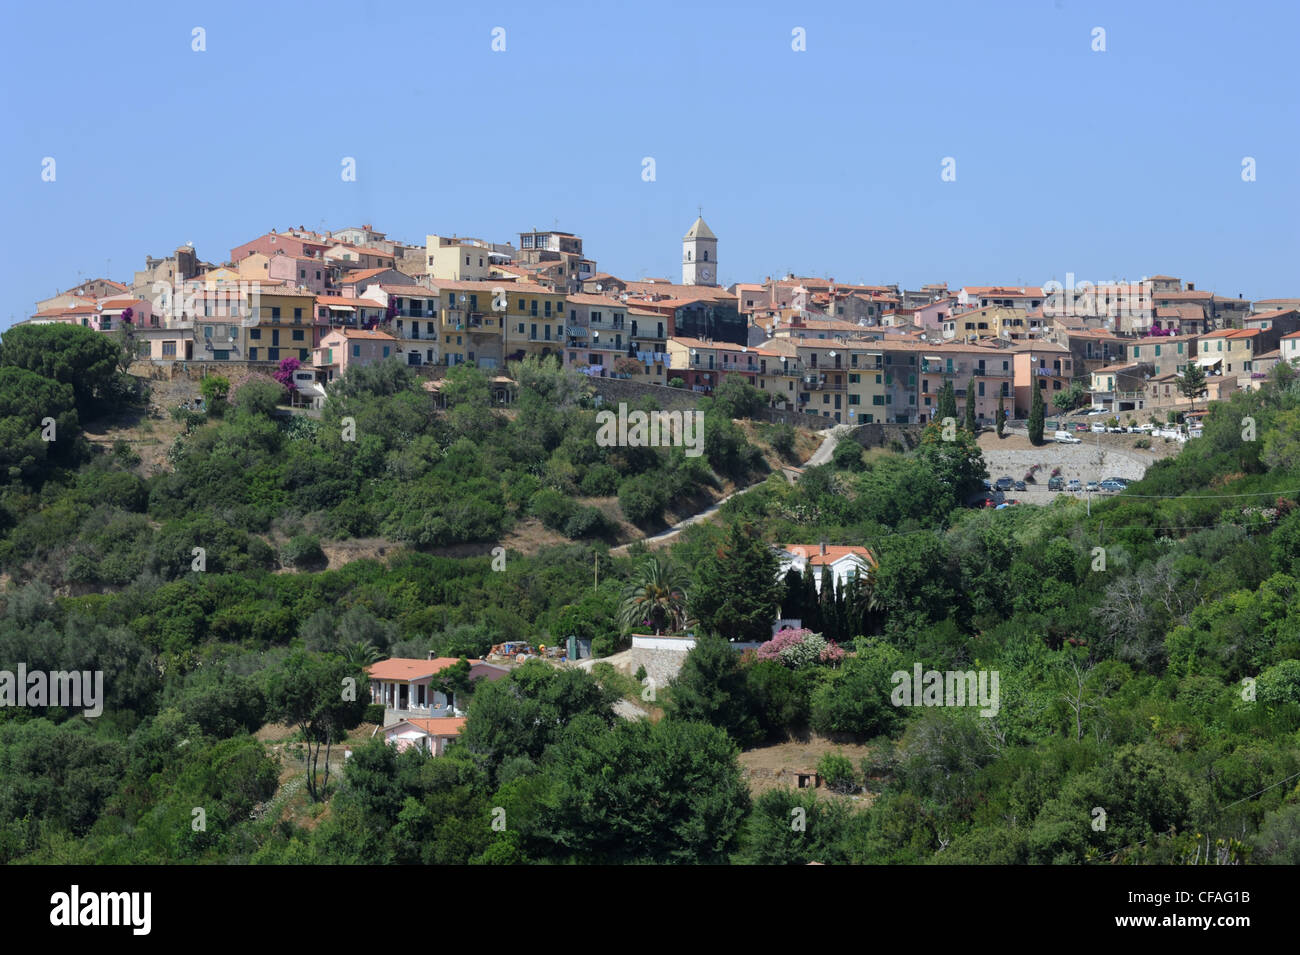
(1064, 437)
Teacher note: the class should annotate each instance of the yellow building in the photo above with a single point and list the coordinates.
(534, 321)
(491, 323)
(282, 326)
(458, 260)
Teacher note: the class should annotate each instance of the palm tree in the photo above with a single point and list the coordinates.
(361, 653)
(655, 595)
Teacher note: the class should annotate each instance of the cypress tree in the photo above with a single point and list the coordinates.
(1036, 412)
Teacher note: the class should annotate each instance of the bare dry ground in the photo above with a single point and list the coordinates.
(777, 765)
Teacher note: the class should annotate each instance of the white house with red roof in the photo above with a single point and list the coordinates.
(429, 736)
(404, 686)
(843, 562)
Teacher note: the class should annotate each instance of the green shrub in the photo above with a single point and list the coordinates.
(585, 522)
(552, 508)
(601, 480)
(303, 551)
(643, 499)
(837, 772)
(374, 714)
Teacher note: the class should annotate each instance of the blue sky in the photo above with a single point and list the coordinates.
(827, 161)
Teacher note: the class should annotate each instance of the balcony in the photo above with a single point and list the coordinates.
(821, 383)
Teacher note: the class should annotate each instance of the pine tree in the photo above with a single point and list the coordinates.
(1002, 415)
(1192, 384)
(971, 425)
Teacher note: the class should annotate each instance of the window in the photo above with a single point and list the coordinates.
(273, 354)
(297, 315)
(275, 313)
(533, 330)
(252, 354)
(385, 351)
(254, 333)
(169, 349)
(356, 351)
(297, 334)
(706, 255)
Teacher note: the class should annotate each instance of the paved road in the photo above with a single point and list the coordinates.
(823, 454)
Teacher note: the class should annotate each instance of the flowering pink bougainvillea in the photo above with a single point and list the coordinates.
(797, 648)
(284, 374)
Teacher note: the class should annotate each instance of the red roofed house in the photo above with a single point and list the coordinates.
(342, 347)
(430, 736)
(843, 562)
(404, 686)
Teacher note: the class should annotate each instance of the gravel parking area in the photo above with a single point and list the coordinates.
(1097, 458)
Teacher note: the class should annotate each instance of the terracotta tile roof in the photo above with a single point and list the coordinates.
(815, 558)
(717, 346)
(410, 291)
(340, 301)
(1233, 333)
(360, 275)
(406, 669)
(435, 726)
(601, 300)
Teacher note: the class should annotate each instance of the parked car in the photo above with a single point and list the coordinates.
(1080, 427)
(1124, 482)
(1098, 429)
(1113, 486)
(1074, 485)
(988, 485)
(1056, 483)
(1115, 429)
(1006, 483)
(1020, 486)
(1094, 486)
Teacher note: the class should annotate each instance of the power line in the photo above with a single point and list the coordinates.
(1238, 802)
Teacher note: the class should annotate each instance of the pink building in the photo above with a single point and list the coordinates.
(275, 242)
(111, 311)
(350, 346)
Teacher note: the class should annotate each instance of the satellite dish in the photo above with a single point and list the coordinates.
(599, 287)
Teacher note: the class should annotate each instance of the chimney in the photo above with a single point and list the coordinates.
(823, 547)
(1191, 286)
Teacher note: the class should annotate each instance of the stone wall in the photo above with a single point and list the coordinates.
(614, 390)
(878, 434)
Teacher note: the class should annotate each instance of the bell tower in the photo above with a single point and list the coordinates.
(700, 255)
